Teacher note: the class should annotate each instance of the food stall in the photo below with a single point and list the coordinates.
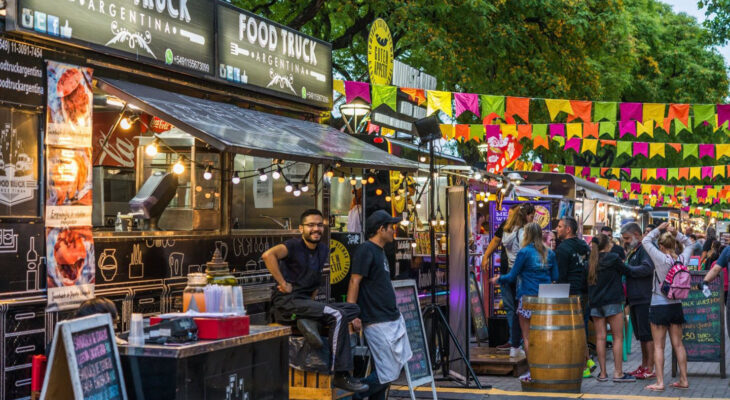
(204, 105)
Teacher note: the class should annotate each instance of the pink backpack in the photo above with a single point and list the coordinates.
(677, 283)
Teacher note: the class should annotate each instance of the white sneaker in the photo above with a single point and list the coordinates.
(516, 352)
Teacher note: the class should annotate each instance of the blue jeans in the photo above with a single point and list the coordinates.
(376, 390)
(508, 301)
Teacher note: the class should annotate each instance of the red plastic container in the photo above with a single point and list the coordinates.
(218, 328)
(38, 372)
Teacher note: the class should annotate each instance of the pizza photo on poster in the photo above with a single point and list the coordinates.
(70, 256)
(69, 176)
(70, 104)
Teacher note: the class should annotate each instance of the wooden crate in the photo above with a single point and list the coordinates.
(314, 386)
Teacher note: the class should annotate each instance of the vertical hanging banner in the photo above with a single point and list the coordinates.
(69, 242)
(503, 150)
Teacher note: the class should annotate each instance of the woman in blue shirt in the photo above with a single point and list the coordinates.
(535, 264)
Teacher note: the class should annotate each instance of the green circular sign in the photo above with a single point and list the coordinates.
(304, 92)
(168, 56)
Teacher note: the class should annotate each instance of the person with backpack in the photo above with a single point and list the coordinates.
(671, 285)
(606, 299)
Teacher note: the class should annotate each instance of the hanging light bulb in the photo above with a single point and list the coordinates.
(413, 244)
(262, 175)
(436, 174)
(418, 205)
(208, 173)
(236, 179)
(305, 187)
(297, 191)
(387, 198)
(288, 188)
(378, 191)
(125, 123)
(434, 222)
(277, 173)
(364, 180)
(353, 181)
(422, 159)
(371, 179)
(179, 167)
(471, 201)
(151, 149)
(341, 179)
(442, 222)
(397, 197)
(481, 204)
(478, 175)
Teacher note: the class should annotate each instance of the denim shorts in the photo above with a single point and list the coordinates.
(607, 310)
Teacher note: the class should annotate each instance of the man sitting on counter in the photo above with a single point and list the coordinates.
(297, 265)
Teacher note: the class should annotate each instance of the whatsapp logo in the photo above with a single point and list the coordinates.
(304, 92)
(168, 56)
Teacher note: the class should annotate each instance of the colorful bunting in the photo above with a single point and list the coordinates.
(581, 109)
(476, 132)
(524, 131)
(723, 115)
(417, 96)
(556, 106)
(703, 113)
(437, 100)
(604, 111)
(589, 145)
(519, 106)
(383, 94)
(492, 104)
(354, 90)
(631, 111)
(574, 130)
(573, 144)
(656, 149)
(466, 102)
(707, 150)
(641, 148)
(623, 148)
(608, 128)
(689, 150)
(557, 130)
(645, 128)
(626, 127)
(653, 112)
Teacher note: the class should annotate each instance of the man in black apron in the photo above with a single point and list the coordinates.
(297, 266)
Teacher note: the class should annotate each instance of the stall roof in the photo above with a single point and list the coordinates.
(230, 128)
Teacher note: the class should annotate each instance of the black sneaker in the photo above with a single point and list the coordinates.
(310, 330)
(346, 382)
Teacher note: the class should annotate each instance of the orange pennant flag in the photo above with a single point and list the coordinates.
(676, 146)
(540, 141)
(678, 111)
(684, 173)
(524, 131)
(519, 106)
(614, 185)
(581, 109)
(417, 96)
(461, 132)
(608, 143)
(590, 129)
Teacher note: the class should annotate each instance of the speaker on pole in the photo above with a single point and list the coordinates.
(428, 128)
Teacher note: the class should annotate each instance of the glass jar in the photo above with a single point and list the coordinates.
(194, 295)
(218, 272)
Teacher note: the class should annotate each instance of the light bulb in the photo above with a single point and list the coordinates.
(207, 174)
(305, 188)
(236, 179)
(262, 175)
(478, 175)
(297, 191)
(418, 205)
(125, 123)
(422, 159)
(413, 244)
(480, 204)
(288, 188)
(397, 197)
(329, 173)
(151, 149)
(435, 174)
(471, 201)
(178, 168)
(371, 180)
(442, 222)
(387, 198)
(277, 173)
(341, 178)
(434, 222)
(378, 191)
(353, 181)
(364, 180)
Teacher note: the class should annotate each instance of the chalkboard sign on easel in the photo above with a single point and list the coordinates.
(477, 310)
(704, 333)
(84, 361)
(418, 368)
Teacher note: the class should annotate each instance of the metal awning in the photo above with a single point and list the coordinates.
(230, 128)
(593, 195)
(523, 191)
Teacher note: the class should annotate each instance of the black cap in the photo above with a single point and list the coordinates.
(377, 219)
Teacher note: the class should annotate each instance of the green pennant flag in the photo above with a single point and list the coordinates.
(690, 191)
(538, 130)
(668, 191)
(604, 110)
(689, 150)
(623, 148)
(718, 188)
(625, 186)
(559, 140)
(679, 126)
(493, 104)
(561, 169)
(546, 168)
(384, 94)
(476, 132)
(608, 128)
(595, 172)
(704, 112)
(673, 173)
(636, 173)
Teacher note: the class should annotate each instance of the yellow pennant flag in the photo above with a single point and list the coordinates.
(339, 86)
(695, 172)
(616, 172)
(722, 150)
(645, 189)
(656, 149)
(719, 170)
(574, 130)
(509, 130)
(438, 100)
(650, 173)
(447, 131)
(603, 182)
(589, 145)
(556, 106)
(711, 193)
(645, 128)
(653, 111)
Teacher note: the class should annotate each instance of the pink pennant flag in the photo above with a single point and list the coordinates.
(635, 187)
(641, 148)
(661, 173)
(702, 193)
(706, 173)
(537, 167)
(492, 131)
(466, 102)
(570, 169)
(557, 130)
(573, 143)
(357, 89)
(707, 150)
(627, 171)
(723, 113)
(631, 111)
(586, 172)
(626, 127)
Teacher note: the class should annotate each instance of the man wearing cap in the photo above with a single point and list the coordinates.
(296, 265)
(371, 288)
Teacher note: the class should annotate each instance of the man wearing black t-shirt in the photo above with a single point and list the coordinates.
(296, 265)
(371, 288)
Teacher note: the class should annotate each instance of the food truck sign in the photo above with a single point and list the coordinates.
(177, 34)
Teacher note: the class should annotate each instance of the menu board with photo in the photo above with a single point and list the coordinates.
(19, 166)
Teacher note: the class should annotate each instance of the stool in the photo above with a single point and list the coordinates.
(313, 386)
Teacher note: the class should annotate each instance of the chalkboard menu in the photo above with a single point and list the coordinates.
(84, 357)
(419, 366)
(477, 309)
(704, 333)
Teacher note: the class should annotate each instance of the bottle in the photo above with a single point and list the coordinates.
(194, 294)
(118, 223)
(218, 272)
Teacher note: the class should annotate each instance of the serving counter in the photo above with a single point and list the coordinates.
(239, 368)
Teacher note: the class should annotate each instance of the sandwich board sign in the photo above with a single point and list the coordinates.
(418, 368)
(84, 361)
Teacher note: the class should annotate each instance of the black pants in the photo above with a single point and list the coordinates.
(287, 308)
(376, 390)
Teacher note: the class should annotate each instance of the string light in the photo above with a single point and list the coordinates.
(262, 175)
(477, 175)
(178, 168)
(151, 149)
(330, 173)
(236, 179)
(288, 188)
(371, 179)
(364, 180)
(341, 178)
(353, 181)
(208, 173)
(125, 123)
(418, 205)
(422, 159)
(305, 187)
(387, 198)
(277, 173)
(297, 191)
(413, 244)
(378, 191)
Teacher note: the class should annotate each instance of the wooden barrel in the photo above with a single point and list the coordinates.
(556, 356)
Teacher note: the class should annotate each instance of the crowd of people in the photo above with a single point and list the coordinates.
(612, 278)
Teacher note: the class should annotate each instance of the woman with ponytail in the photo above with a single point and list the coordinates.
(606, 297)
